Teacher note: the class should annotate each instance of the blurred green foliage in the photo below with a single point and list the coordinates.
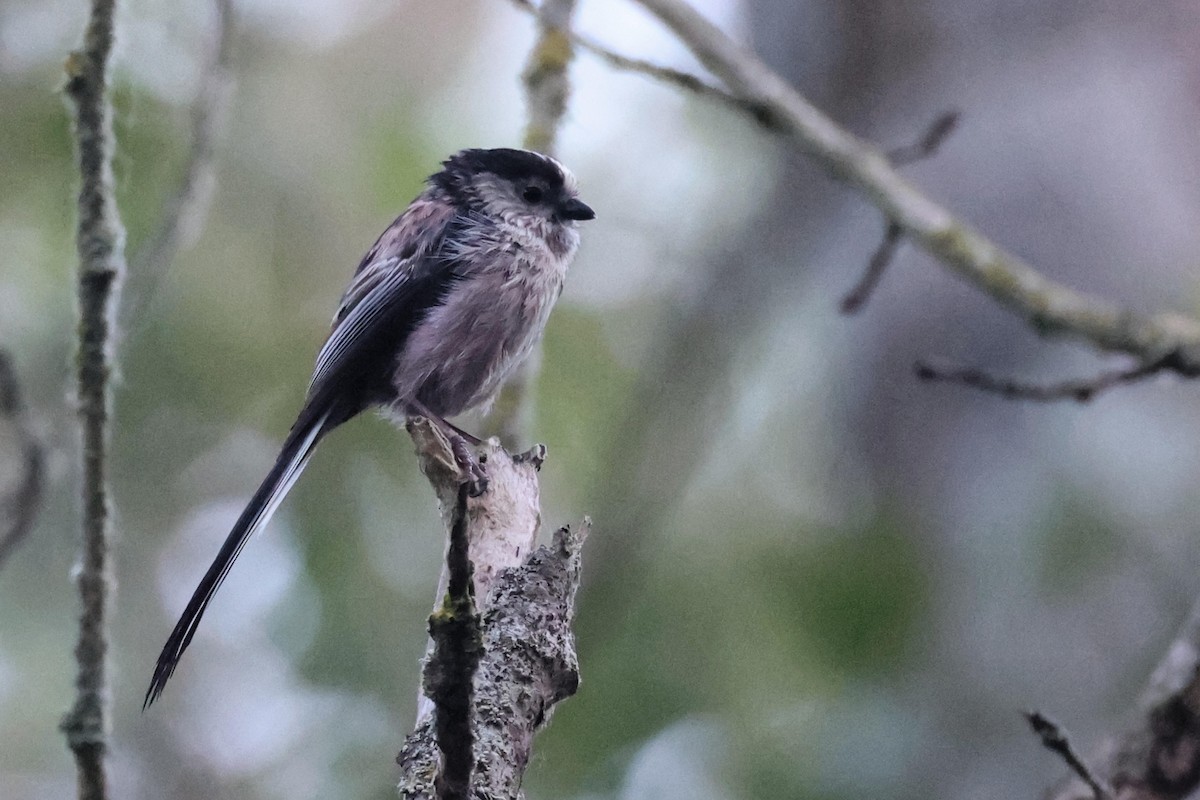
(1076, 543)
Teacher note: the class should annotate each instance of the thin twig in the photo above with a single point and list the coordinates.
(1049, 307)
(100, 240)
(858, 296)
(1054, 739)
(1158, 756)
(450, 669)
(1081, 391)
(925, 147)
(18, 510)
(187, 209)
(675, 77)
(928, 145)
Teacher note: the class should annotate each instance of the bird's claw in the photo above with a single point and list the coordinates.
(474, 475)
(478, 481)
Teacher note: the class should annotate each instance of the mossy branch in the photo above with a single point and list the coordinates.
(100, 241)
(547, 90)
(546, 79)
(450, 668)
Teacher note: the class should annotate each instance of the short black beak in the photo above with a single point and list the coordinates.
(576, 209)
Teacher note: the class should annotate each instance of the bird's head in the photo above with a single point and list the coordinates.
(518, 186)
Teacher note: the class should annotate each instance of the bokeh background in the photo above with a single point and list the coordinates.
(811, 576)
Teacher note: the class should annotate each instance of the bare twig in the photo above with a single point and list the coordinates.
(928, 145)
(450, 669)
(187, 208)
(858, 296)
(1054, 739)
(1158, 756)
(925, 147)
(18, 510)
(100, 241)
(1081, 391)
(1049, 307)
(693, 84)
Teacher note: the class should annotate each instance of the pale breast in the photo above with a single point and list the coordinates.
(460, 355)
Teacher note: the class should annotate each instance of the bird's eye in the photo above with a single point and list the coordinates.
(532, 194)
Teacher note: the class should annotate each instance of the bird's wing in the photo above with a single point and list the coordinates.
(402, 276)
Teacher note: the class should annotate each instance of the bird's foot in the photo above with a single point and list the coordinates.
(467, 461)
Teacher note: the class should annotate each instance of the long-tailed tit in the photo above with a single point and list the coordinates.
(444, 305)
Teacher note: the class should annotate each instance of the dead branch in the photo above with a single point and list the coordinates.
(526, 597)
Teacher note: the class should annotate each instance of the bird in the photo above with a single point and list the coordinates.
(450, 299)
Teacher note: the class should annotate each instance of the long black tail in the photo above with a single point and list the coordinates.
(292, 459)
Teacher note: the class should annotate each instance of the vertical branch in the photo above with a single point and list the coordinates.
(490, 684)
(503, 524)
(100, 240)
(450, 669)
(546, 91)
(546, 85)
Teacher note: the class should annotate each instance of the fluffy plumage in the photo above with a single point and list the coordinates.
(449, 299)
